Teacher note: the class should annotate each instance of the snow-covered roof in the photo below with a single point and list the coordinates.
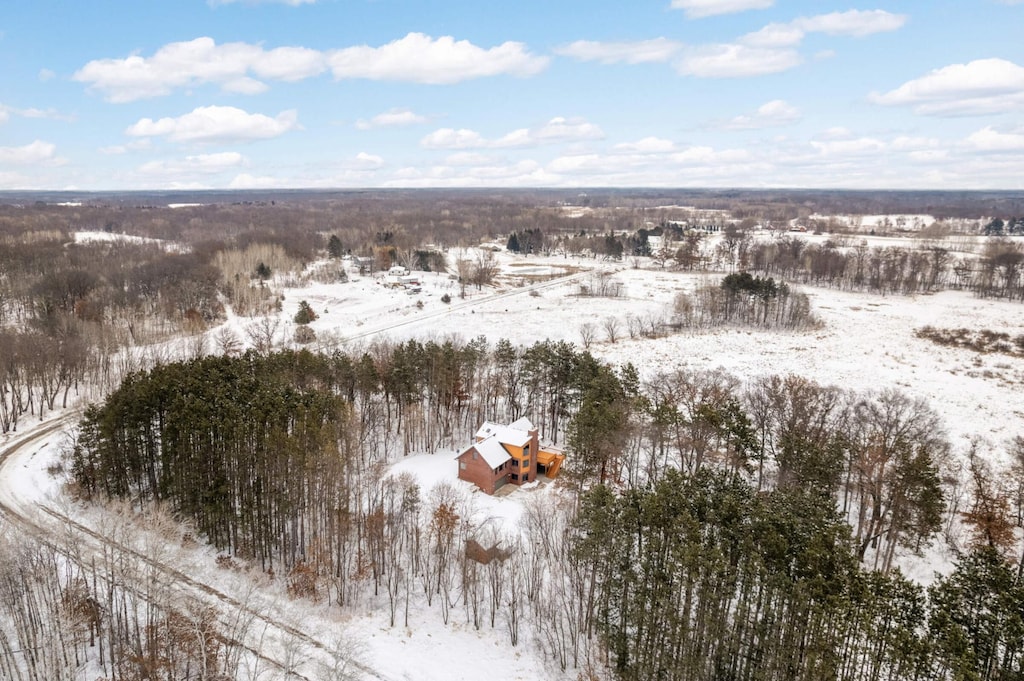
(523, 424)
(492, 451)
(507, 434)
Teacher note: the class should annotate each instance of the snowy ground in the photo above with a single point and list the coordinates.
(96, 236)
(867, 342)
(425, 650)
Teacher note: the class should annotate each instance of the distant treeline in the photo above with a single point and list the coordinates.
(996, 273)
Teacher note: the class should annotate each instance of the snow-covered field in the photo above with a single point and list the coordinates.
(96, 236)
(866, 342)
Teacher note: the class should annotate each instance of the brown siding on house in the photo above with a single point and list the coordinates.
(534, 449)
(524, 473)
(475, 470)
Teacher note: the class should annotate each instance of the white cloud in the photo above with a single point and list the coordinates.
(635, 52)
(135, 145)
(245, 86)
(769, 115)
(238, 66)
(561, 129)
(468, 158)
(929, 155)
(837, 158)
(647, 145)
(420, 58)
(775, 35)
(9, 180)
(857, 23)
(578, 163)
(558, 129)
(34, 153)
(851, 147)
(696, 9)
(521, 137)
(50, 114)
(289, 64)
(449, 138)
(367, 161)
(905, 143)
(248, 181)
(710, 156)
(211, 124)
(735, 61)
(393, 118)
(46, 74)
(195, 62)
(989, 139)
(695, 164)
(771, 49)
(520, 174)
(835, 133)
(980, 87)
(205, 164)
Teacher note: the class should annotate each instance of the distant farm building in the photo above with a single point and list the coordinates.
(507, 454)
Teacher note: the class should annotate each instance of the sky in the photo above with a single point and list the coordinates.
(252, 94)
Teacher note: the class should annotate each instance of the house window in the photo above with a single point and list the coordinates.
(462, 465)
(474, 456)
(526, 463)
(514, 477)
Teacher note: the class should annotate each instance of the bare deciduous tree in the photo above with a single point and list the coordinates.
(227, 342)
(611, 329)
(587, 333)
(263, 333)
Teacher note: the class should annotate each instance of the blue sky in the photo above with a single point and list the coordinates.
(167, 94)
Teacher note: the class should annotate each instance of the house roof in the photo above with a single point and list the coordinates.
(523, 424)
(492, 451)
(505, 434)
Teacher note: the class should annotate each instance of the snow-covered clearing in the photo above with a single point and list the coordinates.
(87, 237)
(866, 342)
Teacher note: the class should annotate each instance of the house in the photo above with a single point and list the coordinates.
(505, 454)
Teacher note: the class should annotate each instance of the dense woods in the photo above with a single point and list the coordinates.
(724, 529)
(701, 578)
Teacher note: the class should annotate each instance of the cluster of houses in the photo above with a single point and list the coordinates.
(508, 454)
